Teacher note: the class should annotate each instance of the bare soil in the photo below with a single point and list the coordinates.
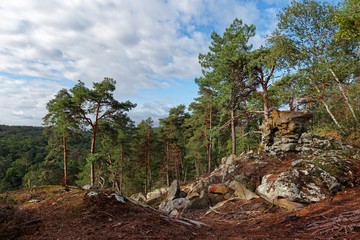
(74, 215)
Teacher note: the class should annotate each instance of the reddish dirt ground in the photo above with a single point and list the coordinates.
(73, 215)
(335, 218)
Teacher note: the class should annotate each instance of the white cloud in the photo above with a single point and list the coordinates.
(141, 44)
(23, 101)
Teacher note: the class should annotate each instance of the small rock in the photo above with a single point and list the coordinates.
(88, 187)
(120, 198)
(138, 197)
(174, 212)
(218, 189)
(192, 195)
(289, 205)
(93, 194)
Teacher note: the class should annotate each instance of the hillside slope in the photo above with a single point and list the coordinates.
(72, 214)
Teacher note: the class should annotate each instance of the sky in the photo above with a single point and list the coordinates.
(150, 47)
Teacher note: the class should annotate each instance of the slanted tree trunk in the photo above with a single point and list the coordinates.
(327, 108)
(264, 82)
(339, 83)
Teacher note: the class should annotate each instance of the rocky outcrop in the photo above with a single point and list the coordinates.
(291, 181)
(285, 132)
(296, 169)
(283, 125)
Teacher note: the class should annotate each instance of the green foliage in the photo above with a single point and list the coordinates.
(325, 64)
(348, 19)
(23, 151)
(20, 149)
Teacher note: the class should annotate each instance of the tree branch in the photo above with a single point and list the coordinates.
(238, 116)
(250, 133)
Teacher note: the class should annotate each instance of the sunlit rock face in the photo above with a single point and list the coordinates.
(289, 124)
(286, 132)
(284, 128)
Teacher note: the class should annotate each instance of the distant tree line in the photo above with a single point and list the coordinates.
(309, 63)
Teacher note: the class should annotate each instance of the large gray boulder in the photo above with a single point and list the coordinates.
(174, 191)
(310, 180)
(176, 204)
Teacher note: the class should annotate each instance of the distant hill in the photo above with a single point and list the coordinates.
(23, 150)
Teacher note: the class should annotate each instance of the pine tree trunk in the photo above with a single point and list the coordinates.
(92, 167)
(210, 142)
(233, 135)
(167, 163)
(65, 161)
(266, 103)
(99, 172)
(150, 175)
(149, 163)
(121, 168)
(146, 167)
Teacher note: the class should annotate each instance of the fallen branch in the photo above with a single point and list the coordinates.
(215, 211)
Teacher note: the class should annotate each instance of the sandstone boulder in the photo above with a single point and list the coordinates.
(155, 198)
(282, 132)
(138, 197)
(289, 123)
(241, 191)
